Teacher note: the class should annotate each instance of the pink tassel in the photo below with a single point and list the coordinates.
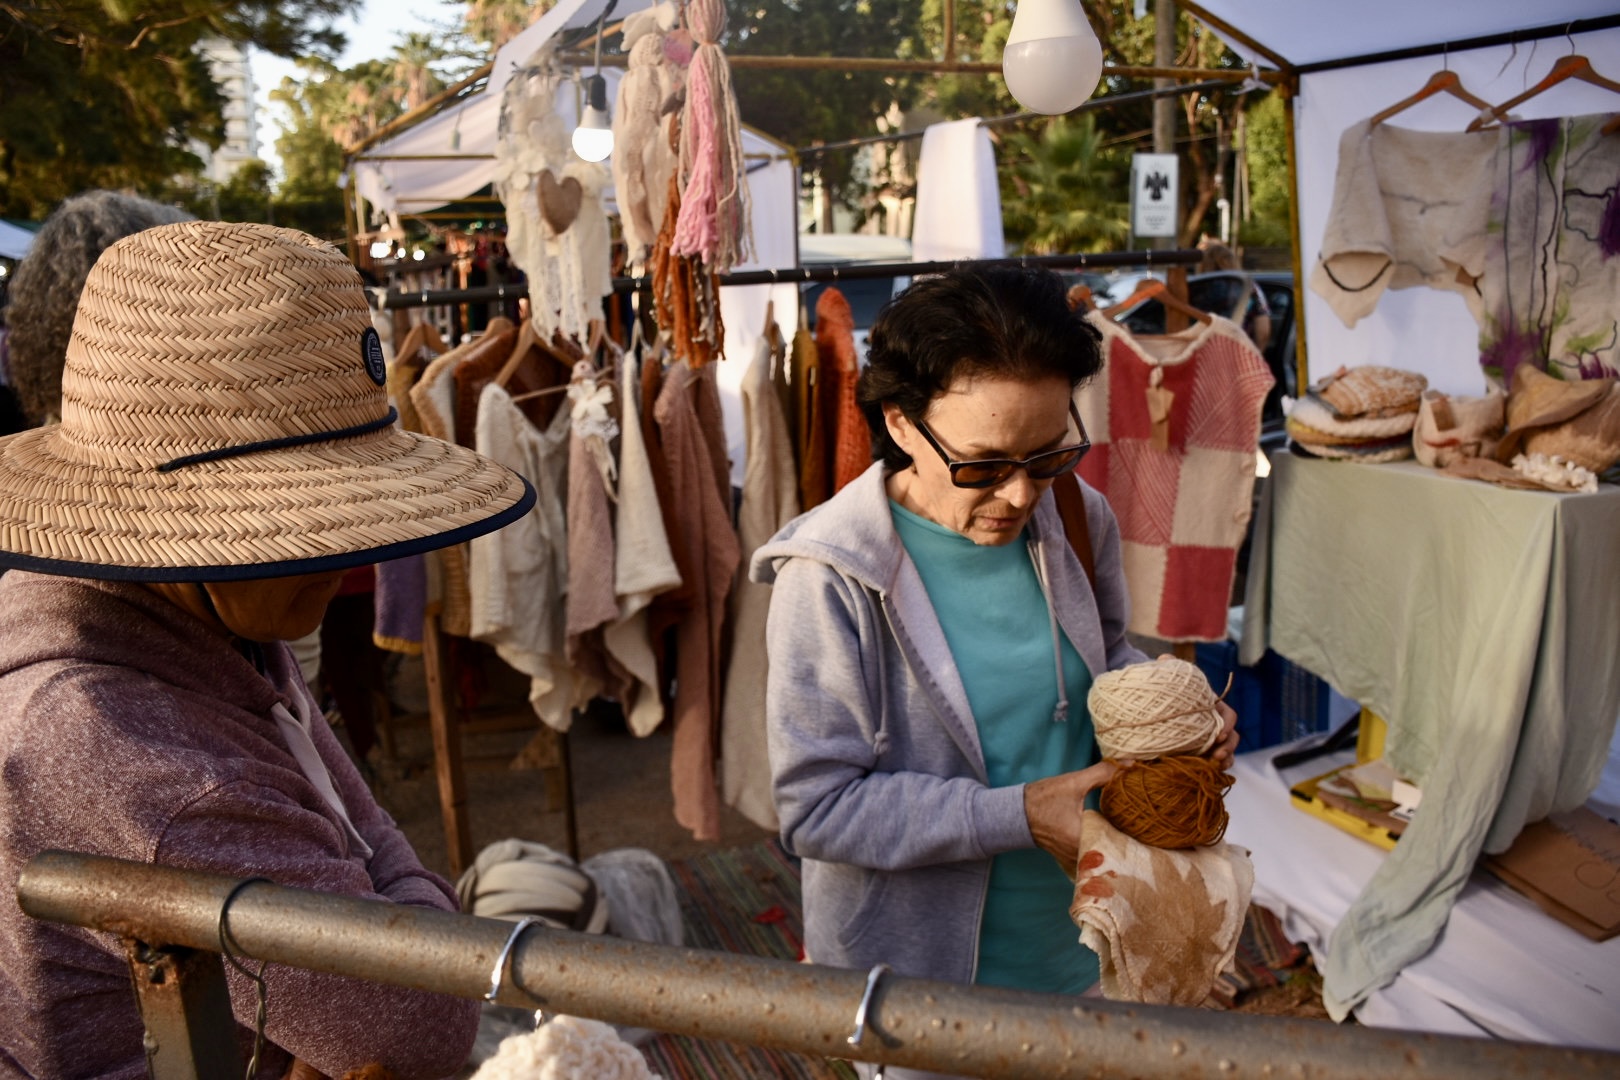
(714, 221)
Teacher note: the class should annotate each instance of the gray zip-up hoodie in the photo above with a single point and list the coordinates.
(877, 770)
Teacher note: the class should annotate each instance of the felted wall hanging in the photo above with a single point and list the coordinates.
(557, 226)
(642, 159)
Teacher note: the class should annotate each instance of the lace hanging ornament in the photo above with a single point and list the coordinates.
(557, 230)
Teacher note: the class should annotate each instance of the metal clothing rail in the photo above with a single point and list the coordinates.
(171, 921)
(393, 299)
(1087, 106)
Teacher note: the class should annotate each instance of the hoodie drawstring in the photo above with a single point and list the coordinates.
(1060, 714)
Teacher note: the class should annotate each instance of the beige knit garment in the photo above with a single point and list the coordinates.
(520, 573)
(644, 566)
(770, 499)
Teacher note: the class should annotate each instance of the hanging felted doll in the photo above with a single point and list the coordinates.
(643, 160)
(557, 228)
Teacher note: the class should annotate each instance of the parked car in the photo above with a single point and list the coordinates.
(1221, 293)
(866, 295)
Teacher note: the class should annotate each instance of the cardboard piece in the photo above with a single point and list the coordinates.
(1569, 865)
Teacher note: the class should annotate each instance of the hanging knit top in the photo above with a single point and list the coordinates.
(1174, 422)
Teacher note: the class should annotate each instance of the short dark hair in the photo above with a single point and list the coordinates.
(1007, 322)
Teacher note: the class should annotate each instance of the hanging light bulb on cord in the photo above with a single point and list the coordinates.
(1053, 59)
(593, 139)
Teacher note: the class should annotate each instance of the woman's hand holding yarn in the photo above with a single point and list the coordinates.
(1053, 807)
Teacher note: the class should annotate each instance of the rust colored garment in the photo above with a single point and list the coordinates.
(480, 364)
(839, 369)
(668, 608)
(815, 485)
(704, 536)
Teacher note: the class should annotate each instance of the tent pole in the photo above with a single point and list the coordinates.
(938, 67)
(423, 110)
(1227, 30)
(1290, 92)
(949, 53)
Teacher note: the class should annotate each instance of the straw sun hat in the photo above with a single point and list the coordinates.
(223, 418)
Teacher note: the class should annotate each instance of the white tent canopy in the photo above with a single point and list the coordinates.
(1307, 32)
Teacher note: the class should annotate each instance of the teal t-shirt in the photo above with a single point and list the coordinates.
(994, 614)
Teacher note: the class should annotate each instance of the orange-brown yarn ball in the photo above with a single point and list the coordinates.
(1171, 802)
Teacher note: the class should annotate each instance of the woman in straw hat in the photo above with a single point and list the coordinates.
(226, 450)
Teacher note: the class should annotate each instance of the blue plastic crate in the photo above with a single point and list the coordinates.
(1276, 700)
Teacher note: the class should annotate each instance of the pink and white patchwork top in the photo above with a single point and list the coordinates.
(1182, 495)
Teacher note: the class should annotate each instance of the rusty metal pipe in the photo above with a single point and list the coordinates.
(971, 1031)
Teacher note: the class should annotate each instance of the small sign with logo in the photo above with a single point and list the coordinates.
(1155, 202)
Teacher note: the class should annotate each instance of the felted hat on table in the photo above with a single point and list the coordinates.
(224, 418)
(1577, 421)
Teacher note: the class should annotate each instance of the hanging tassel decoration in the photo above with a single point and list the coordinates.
(714, 222)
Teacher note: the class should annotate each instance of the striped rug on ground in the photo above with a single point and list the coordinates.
(743, 900)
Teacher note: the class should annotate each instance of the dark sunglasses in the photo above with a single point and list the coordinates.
(988, 472)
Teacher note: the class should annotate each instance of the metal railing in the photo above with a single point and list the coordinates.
(171, 920)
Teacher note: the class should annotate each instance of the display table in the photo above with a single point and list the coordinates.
(1483, 625)
(1502, 968)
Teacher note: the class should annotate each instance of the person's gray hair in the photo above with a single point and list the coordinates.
(46, 286)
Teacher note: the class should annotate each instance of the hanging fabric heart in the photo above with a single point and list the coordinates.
(559, 201)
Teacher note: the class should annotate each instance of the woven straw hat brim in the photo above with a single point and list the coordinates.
(326, 506)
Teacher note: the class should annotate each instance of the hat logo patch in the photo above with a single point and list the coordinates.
(371, 351)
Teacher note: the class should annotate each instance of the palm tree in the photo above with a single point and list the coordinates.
(1064, 191)
(498, 21)
(411, 69)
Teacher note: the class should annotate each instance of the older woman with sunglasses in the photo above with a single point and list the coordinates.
(932, 639)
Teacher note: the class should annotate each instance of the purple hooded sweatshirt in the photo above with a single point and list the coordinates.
(129, 729)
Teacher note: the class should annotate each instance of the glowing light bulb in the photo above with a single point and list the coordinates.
(593, 139)
(1053, 59)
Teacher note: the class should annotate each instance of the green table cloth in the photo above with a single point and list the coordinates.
(1483, 625)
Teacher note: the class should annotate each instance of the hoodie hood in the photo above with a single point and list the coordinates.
(852, 532)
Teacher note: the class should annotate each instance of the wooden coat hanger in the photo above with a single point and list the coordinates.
(1154, 289)
(1573, 66)
(1443, 81)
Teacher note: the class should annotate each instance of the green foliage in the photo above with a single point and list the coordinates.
(493, 23)
(1268, 175)
(805, 107)
(1063, 191)
(99, 93)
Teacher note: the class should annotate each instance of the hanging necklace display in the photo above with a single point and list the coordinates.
(557, 226)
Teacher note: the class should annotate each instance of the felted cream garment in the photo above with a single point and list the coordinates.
(1164, 924)
(519, 574)
(1409, 208)
(643, 565)
(642, 158)
(770, 499)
